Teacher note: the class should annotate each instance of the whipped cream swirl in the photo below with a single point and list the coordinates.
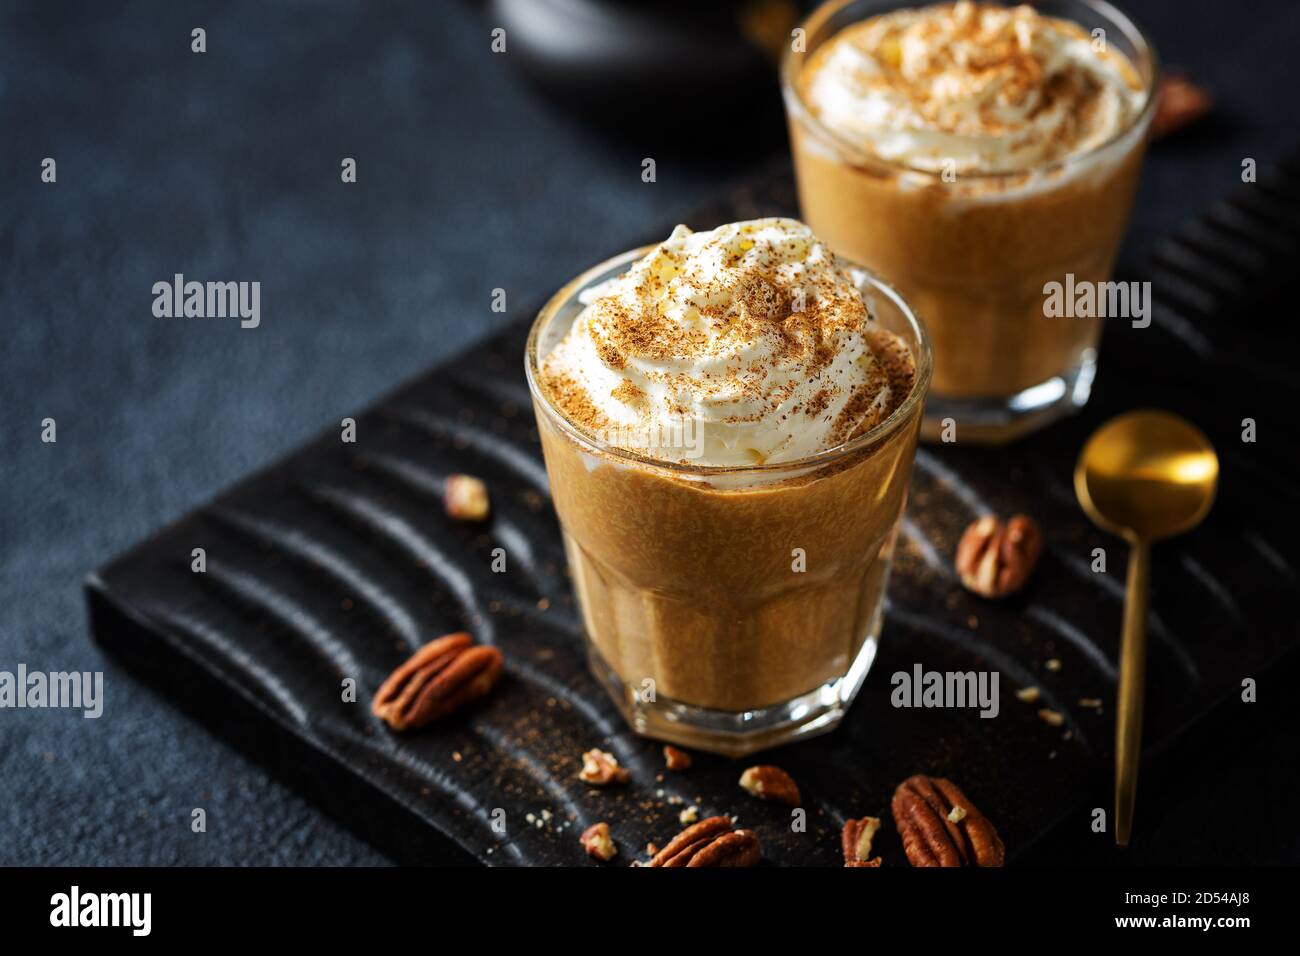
(971, 87)
(745, 345)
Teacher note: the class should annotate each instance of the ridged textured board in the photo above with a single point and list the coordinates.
(338, 561)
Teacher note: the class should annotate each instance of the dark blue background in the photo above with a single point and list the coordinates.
(226, 166)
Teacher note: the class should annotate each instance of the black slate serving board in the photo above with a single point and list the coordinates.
(337, 561)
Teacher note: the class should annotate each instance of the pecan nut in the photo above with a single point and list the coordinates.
(711, 842)
(442, 676)
(855, 839)
(598, 843)
(770, 783)
(1179, 102)
(940, 827)
(995, 558)
(600, 768)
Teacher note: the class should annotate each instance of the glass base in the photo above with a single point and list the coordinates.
(731, 733)
(995, 421)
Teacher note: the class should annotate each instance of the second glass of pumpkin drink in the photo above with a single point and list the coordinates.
(729, 420)
(973, 155)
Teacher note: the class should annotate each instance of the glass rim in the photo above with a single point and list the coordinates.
(800, 111)
(909, 406)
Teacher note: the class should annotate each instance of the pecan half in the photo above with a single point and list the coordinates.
(600, 768)
(598, 843)
(770, 783)
(465, 498)
(1179, 103)
(940, 827)
(442, 676)
(995, 558)
(711, 842)
(855, 840)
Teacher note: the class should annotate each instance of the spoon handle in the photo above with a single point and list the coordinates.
(1132, 688)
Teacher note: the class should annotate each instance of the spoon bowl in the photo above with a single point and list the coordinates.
(1145, 476)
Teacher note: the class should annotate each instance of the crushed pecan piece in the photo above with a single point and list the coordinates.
(465, 498)
(711, 842)
(1051, 717)
(442, 676)
(995, 558)
(923, 812)
(598, 843)
(770, 783)
(675, 759)
(600, 768)
(855, 839)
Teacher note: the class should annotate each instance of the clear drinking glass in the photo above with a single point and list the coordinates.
(974, 254)
(726, 608)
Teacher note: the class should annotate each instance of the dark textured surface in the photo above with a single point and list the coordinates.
(225, 166)
(338, 563)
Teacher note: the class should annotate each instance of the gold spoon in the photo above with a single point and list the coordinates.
(1144, 475)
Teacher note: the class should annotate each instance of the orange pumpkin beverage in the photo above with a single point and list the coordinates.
(729, 420)
(975, 154)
